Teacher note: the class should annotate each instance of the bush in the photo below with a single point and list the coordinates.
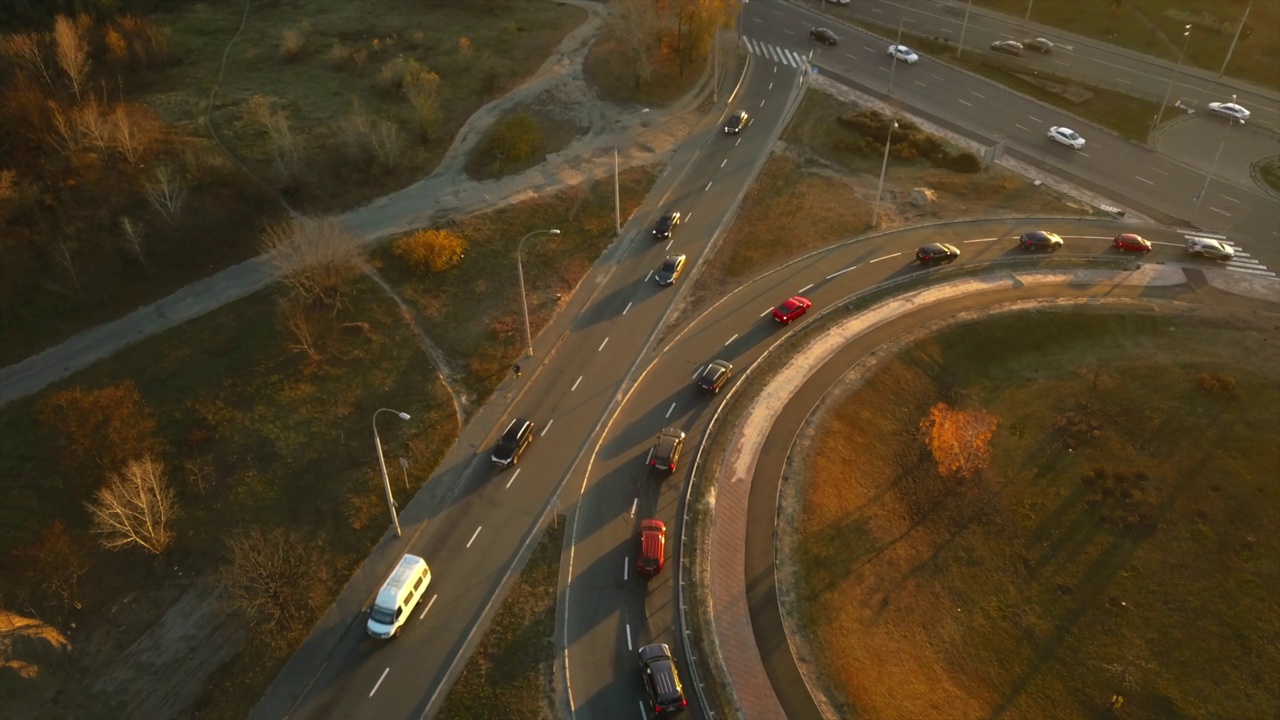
(291, 43)
(515, 137)
(431, 250)
(963, 162)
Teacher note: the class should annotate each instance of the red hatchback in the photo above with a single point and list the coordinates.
(653, 547)
(1128, 242)
(791, 309)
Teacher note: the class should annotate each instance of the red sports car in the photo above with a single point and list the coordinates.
(1128, 242)
(791, 309)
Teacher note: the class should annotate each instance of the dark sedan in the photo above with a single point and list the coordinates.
(1040, 240)
(824, 36)
(937, 252)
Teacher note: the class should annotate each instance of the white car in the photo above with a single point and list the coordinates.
(839, 2)
(903, 53)
(1231, 110)
(1210, 248)
(1067, 137)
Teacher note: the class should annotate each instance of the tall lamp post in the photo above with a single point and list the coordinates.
(1028, 16)
(1213, 169)
(1235, 38)
(524, 302)
(382, 464)
(964, 27)
(1186, 38)
(617, 195)
(893, 57)
(875, 214)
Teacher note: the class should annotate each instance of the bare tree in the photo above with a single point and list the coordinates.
(128, 135)
(388, 145)
(72, 51)
(64, 252)
(316, 257)
(167, 192)
(135, 507)
(133, 232)
(299, 317)
(422, 88)
(94, 126)
(355, 131)
(267, 580)
(27, 49)
(285, 148)
(66, 135)
(201, 473)
(636, 23)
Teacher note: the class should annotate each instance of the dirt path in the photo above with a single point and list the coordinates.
(642, 139)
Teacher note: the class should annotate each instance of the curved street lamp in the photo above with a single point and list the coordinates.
(524, 302)
(382, 464)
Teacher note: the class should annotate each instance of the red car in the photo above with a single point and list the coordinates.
(653, 547)
(1128, 242)
(791, 309)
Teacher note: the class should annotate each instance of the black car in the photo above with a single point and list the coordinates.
(513, 442)
(666, 223)
(671, 268)
(1040, 240)
(714, 378)
(661, 681)
(824, 36)
(937, 252)
(736, 123)
(666, 452)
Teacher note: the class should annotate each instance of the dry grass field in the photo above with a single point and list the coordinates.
(1119, 557)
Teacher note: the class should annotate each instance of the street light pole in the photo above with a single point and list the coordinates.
(617, 196)
(524, 302)
(1213, 169)
(875, 214)
(1029, 4)
(1239, 28)
(964, 27)
(893, 57)
(1186, 38)
(382, 464)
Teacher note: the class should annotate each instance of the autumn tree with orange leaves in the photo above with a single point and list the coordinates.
(960, 440)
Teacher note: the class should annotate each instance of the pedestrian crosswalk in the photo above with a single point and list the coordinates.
(1243, 262)
(775, 53)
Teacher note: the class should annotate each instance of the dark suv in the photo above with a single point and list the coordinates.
(715, 376)
(937, 252)
(666, 452)
(661, 682)
(513, 443)
(736, 123)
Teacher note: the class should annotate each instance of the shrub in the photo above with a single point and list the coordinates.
(514, 137)
(291, 43)
(340, 55)
(963, 162)
(391, 75)
(431, 250)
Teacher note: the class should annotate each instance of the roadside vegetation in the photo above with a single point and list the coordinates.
(1269, 171)
(1073, 525)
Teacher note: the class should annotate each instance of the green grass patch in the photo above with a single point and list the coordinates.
(1269, 171)
(510, 674)
(1120, 541)
(521, 140)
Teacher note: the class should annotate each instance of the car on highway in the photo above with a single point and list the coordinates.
(1130, 242)
(653, 547)
(671, 268)
(903, 53)
(1067, 137)
(668, 222)
(1210, 248)
(1231, 110)
(1008, 47)
(1039, 45)
(791, 309)
(661, 681)
(839, 2)
(515, 439)
(715, 376)
(824, 36)
(1040, 240)
(665, 454)
(736, 123)
(937, 252)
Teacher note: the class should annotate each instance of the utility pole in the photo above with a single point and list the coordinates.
(1239, 28)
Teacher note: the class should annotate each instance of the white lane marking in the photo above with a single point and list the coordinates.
(430, 602)
(648, 277)
(513, 479)
(697, 372)
(884, 69)
(380, 679)
(1083, 153)
(669, 243)
(770, 86)
(735, 337)
(634, 503)
(877, 10)
(803, 289)
(1021, 128)
(1227, 197)
(981, 240)
(1144, 180)
(984, 97)
(649, 456)
(1034, 118)
(886, 257)
(840, 272)
(1126, 82)
(1064, 64)
(919, 83)
(473, 535)
(606, 341)
(762, 102)
(766, 312)
(1157, 242)
(1089, 237)
(629, 636)
(546, 427)
(687, 216)
(575, 384)
(708, 187)
(722, 162)
(1224, 212)
(625, 309)
(671, 409)
(936, 77)
(851, 57)
(1157, 170)
(864, 47)
(907, 19)
(735, 142)
(626, 567)
(966, 102)
(789, 32)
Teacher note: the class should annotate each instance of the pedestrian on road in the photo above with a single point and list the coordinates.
(516, 370)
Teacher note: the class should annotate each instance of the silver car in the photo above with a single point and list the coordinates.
(1210, 248)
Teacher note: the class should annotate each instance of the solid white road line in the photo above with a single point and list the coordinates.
(513, 479)
(671, 409)
(840, 272)
(606, 341)
(546, 427)
(575, 384)
(625, 309)
(805, 288)
(473, 535)
(886, 257)
(380, 679)
(735, 337)
(430, 602)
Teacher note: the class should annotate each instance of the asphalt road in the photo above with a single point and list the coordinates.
(1134, 175)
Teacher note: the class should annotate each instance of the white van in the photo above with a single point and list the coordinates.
(398, 596)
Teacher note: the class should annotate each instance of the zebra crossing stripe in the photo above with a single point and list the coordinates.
(1249, 270)
(1202, 234)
